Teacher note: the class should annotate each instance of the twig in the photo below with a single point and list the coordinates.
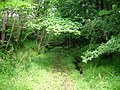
(10, 34)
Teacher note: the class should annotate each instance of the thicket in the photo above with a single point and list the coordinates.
(90, 24)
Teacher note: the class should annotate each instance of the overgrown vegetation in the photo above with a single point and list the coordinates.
(55, 38)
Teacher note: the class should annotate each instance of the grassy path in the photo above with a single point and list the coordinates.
(54, 70)
(41, 72)
(66, 83)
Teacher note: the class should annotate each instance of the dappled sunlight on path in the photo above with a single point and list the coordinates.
(37, 78)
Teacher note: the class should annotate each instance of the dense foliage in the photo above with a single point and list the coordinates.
(59, 44)
(70, 23)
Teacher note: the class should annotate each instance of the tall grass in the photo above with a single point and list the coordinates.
(25, 69)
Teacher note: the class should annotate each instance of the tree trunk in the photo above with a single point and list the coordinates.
(4, 27)
(5, 0)
(102, 4)
(19, 29)
(97, 4)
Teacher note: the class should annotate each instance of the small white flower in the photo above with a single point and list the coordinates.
(9, 15)
(15, 15)
(119, 11)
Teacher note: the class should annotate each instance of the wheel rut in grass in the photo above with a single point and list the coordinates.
(66, 82)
